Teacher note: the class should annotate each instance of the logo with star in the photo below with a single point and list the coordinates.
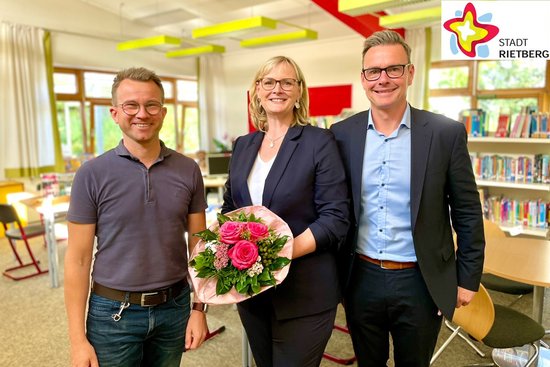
(469, 34)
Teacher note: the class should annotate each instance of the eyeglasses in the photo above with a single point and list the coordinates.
(270, 83)
(132, 108)
(392, 71)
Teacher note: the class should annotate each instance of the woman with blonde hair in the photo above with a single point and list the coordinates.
(294, 169)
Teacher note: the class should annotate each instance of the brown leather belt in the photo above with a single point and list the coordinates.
(388, 264)
(144, 299)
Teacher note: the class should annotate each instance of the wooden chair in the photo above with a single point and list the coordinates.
(497, 326)
(15, 231)
(492, 282)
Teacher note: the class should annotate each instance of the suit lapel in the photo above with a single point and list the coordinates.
(288, 146)
(421, 137)
(356, 154)
(244, 166)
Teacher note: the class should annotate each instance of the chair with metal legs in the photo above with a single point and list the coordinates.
(15, 231)
(491, 282)
(497, 326)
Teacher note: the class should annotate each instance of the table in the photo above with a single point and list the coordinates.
(216, 182)
(524, 260)
(49, 207)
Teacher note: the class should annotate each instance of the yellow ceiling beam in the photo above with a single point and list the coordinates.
(148, 42)
(282, 38)
(235, 28)
(195, 51)
(411, 18)
(360, 7)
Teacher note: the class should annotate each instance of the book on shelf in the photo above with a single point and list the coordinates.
(514, 168)
(514, 212)
(503, 126)
(474, 121)
(517, 126)
(540, 127)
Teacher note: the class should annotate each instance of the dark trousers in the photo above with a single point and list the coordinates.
(297, 342)
(380, 303)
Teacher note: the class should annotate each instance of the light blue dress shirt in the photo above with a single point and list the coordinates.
(385, 216)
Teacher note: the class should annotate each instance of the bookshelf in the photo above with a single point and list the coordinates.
(519, 191)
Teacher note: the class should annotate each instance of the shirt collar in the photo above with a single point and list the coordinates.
(405, 120)
(121, 150)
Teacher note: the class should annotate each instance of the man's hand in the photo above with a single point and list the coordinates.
(196, 331)
(83, 355)
(464, 297)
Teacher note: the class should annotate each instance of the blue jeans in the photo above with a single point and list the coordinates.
(144, 336)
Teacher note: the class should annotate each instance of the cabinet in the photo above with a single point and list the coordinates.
(522, 191)
(7, 187)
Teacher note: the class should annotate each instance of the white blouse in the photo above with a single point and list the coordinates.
(256, 179)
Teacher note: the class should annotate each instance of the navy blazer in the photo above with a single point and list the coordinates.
(306, 187)
(443, 188)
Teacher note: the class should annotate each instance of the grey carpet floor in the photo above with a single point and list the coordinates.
(33, 326)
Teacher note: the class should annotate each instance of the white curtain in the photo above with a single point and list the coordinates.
(26, 130)
(211, 101)
(420, 42)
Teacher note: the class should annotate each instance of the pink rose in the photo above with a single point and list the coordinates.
(230, 232)
(257, 231)
(243, 255)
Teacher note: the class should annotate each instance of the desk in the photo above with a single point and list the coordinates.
(524, 260)
(48, 207)
(216, 182)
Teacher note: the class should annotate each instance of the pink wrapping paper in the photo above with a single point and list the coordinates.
(205, 288)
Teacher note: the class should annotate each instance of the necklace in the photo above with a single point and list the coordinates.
(272, 141)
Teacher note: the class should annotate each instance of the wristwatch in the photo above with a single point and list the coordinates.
(202, 307)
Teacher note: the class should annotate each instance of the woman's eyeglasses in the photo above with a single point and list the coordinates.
(286, 84)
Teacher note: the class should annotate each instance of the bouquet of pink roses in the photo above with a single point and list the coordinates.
(245, 253)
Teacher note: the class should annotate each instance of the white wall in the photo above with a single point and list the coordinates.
(80, 40)
(323, 63)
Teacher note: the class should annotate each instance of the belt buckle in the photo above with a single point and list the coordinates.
(382, 265)
(145, 295)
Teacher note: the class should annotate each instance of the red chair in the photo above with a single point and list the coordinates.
(339, 360)
(212, 334)
(18, 232)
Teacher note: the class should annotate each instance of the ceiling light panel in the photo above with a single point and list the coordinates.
(235, 28)
(359, 7)
(411, 19)
(278, 39)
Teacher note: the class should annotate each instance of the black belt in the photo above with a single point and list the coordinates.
(144, 299)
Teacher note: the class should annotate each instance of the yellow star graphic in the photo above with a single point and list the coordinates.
(468, 32)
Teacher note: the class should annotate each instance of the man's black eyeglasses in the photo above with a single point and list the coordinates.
(392, 71)
(132, 108)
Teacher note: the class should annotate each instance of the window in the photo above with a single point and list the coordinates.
(85, 124)
(499, 86)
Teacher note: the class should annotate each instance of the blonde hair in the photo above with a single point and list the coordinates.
(257, 112)
(386, 37)
(138, 74)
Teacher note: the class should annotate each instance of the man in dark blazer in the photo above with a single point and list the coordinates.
(410, 177)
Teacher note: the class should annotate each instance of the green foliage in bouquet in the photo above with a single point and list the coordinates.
(241, 252)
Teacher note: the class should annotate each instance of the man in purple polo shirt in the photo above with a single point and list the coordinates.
(138, 200)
